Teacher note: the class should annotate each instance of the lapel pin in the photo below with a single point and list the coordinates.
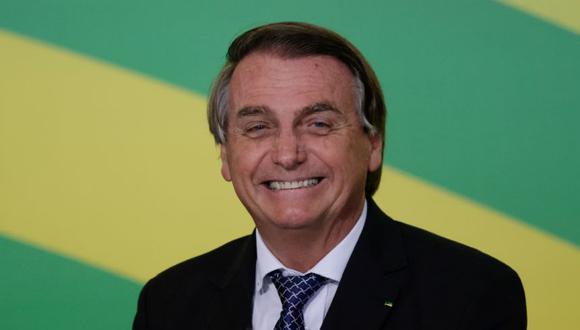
(388, 303)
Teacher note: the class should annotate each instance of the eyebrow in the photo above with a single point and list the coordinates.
(256, 110)
(252, 111)
(319, 107)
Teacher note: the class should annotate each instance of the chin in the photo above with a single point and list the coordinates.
(295, 219)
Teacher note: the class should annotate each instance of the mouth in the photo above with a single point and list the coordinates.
(289, 185)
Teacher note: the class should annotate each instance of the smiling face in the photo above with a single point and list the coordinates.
(296, 151)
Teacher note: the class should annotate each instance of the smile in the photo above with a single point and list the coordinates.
(285, 185)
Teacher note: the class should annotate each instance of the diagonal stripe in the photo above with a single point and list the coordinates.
(118, 170)
(564, 13)
(497, 84)
(41, 290)
(94, 157)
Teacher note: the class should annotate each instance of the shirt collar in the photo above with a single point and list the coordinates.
(330, 266)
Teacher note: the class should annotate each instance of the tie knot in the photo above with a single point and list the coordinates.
(295, 291)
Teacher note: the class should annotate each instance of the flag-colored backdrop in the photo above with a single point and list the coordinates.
(108, 173)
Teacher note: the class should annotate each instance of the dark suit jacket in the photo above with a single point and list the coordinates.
(398, 277)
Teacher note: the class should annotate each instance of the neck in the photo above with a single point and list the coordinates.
(302, 248)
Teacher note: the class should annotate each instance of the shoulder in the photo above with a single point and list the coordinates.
(180, 294)
(428, 250)
(429, 253)
(472, 288)
(199, 273)
(201, 268)
(481, 291)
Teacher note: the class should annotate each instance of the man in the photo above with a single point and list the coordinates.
(299, 117)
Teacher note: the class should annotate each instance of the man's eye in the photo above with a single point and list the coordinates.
(256, 127)
(254, 130)
(319, 127)
(320, 124)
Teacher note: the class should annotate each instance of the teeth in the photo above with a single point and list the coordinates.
(282, 185)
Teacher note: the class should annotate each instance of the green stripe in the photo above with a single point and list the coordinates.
(40, 290)
(482, 97)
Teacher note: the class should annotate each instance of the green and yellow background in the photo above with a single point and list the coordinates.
(108, 173)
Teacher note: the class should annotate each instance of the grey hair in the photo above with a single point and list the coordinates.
(359, 92)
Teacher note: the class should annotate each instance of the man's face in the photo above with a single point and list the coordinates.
(296, 151)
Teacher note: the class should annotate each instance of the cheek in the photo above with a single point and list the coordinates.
(244, 160)
(356, 159)
(348, 155)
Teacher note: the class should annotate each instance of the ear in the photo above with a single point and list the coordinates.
(225, 164)
(376, 157)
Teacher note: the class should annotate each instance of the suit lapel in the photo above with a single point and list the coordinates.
(369, 287)
(232, 308)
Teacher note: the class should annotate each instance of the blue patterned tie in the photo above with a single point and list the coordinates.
(294, 292)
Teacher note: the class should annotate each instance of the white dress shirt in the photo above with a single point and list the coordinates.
(267, 304)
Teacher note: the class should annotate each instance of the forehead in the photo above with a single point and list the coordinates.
(263, 79)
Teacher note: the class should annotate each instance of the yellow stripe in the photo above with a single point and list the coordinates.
(118, 170)
(564, 13)
(105, 165)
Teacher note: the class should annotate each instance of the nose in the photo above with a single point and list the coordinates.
(287, 150)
